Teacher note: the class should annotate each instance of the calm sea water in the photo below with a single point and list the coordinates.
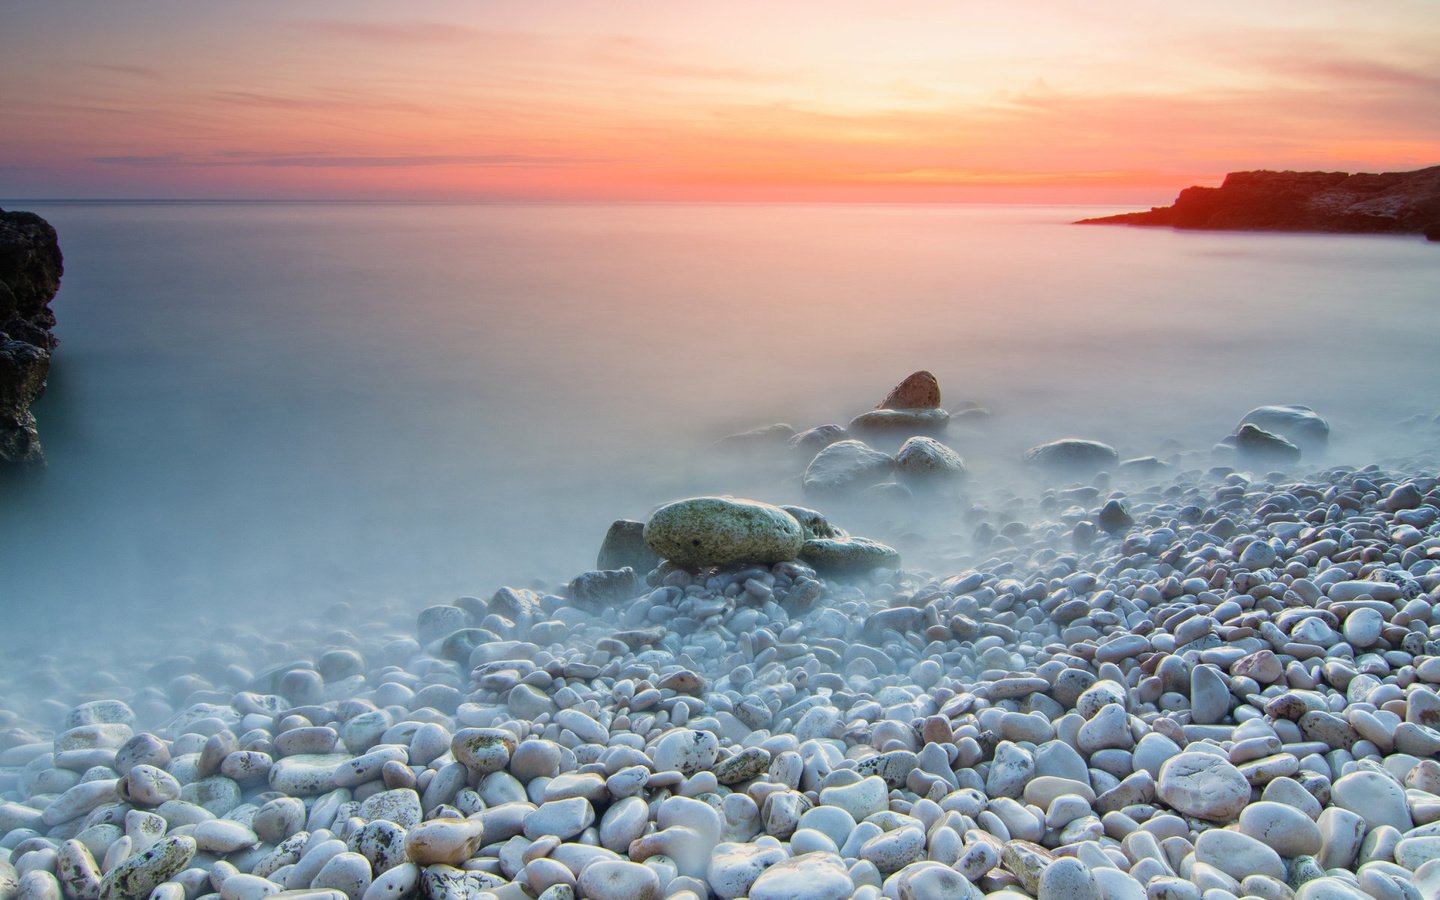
(274, 406)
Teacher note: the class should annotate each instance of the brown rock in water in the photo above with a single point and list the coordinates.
(30, 269)
(1363, 203)
(919, 391)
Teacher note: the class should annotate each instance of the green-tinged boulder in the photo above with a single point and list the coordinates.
(848, 556)
(717, 531)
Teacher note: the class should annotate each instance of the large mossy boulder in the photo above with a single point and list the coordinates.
(717, 531)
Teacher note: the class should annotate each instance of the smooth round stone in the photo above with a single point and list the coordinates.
(1209, 696)
(743, 766)
(1330, 889)
(582, 726)
(894, 850)
(716, 531)
(686, 751)
(1376, 798)
(735, 867)
(222, 837)
(861, 799)
(812, 876)
(1286, 830)
(613, 879)
(1204, 786)
(1068, 879)
(348, 873)
(622, 823)
(1414, 852)
(923, 459)
(145, 785)
(846, 466)
(1073, 456)
(1362, 627)
(1237, 854)
(831, 821)
(401, 806)
(246, 887)
(1042, 790)
(537, 759)
(306, 773)
(382, 842)
(482, 750)
(562, 818)
(278, 819)
(444, 841)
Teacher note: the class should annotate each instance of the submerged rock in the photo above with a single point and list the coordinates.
(716, 531)
(909, 421)
(1073, 455)
(1297, 424)
(846, 466)
(849, 556)
(813, 440)
(920, 390)
(814, 524)
(624, 545)
(1256, 445)
(30, 270)
(606, 587)
(765, 436)
(924, 459)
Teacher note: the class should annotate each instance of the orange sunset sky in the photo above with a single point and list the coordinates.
(1038, 101)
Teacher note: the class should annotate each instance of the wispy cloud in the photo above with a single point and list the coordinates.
(319, 161)
(390, 32)
(132, 71)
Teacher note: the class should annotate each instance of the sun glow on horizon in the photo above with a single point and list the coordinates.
(921, 101)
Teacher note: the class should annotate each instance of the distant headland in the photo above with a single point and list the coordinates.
(1362, 203)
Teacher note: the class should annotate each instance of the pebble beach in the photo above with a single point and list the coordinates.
(1209, 676)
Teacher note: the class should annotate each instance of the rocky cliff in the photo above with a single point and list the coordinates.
(1385, 203)
(30, 269)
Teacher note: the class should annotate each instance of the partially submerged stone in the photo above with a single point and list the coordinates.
(1073, 456)
(923, 460)
(903, 421)
(624, 545)
(1300, 425)
(849, 556)
(846, 466)
(1255, 445)
(717, 531)
(920, 390)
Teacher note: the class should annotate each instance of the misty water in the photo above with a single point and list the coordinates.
(272, 407)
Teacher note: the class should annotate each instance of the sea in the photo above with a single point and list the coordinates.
(266, 410)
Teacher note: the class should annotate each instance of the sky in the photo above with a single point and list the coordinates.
(571, 100)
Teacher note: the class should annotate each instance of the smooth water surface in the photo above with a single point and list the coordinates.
(270, 407)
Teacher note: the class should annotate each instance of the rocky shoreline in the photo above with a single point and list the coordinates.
(30, 270)
(1362, 203)
(1209, 680)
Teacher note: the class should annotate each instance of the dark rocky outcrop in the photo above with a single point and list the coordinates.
(30, 269)
(1363, 203)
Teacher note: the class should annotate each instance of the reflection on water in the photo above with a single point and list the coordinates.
(293, 403)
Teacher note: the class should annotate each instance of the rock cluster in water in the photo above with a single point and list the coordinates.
(1193, 686)
(30, 269)
(1386, 203)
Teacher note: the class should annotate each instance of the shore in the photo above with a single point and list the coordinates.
(1168, 681)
